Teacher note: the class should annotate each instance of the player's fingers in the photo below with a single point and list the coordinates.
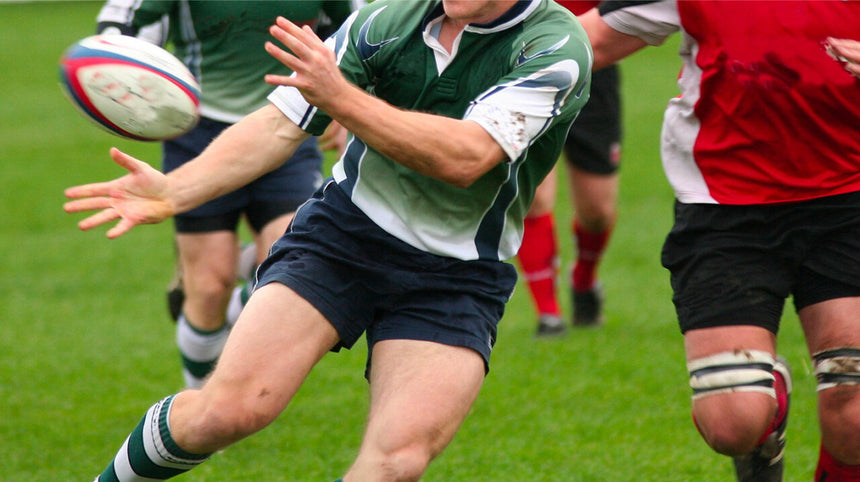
(290, 35)
(87, 204)
(128, 162)
(122, 227)
(87, 190)
(272, 79)
(98, 219)
(284, 57)
(310, 38)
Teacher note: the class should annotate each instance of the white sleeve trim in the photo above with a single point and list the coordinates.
(290, 101)
(651, 22)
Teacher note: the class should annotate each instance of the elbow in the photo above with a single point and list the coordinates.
(462, 182)
(464, 172)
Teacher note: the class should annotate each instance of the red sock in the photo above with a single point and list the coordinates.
(831, 470)
(589, 249)
(539, 261)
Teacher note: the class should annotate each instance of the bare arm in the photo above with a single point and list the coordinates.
(609, 45)
(451, 150)
(248, 149)
(257, 144)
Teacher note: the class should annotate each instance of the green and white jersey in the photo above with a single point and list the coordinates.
(221, 42)
(523, 77)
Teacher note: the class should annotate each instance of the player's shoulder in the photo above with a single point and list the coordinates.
(553, 30)
(391, 13)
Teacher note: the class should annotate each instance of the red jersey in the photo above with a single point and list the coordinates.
(764, 115)
(578, 7)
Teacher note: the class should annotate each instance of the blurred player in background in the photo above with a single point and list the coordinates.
(457, 110)
(221, 43)
(762, 148)
(593, 154)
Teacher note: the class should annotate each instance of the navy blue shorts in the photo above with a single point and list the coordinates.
(271, 196)
(736, 265)
(593, 143)
(363, 280)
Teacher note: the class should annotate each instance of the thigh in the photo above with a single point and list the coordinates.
(727, 267)
(420, 393)
(832, 324)
(276, 341)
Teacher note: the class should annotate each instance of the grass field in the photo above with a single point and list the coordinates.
(85, 345)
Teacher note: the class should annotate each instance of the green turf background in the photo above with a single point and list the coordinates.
(86, 346)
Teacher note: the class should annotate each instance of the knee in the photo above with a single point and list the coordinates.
(390, 461)
(596, 218)
(405, 464)
(215, 422)
(734, 403)
(211, 286)
(732, 436)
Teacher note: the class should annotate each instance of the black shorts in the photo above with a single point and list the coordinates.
(594, 141)
(736, 265)
(274, 194)
(365, 281)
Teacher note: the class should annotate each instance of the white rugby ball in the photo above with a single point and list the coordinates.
(130, 87)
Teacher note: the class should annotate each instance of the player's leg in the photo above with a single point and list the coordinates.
(594, 197)
(833, 334)
(277, 341)
(539, 260)
(430, 344)
(593, 154)
(208, 261)
(827, 299)
(420, 393)
(731, 272)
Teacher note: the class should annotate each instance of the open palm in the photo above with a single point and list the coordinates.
(139, 197)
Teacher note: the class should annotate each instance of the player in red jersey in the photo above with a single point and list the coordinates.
(762, 148)
(593, 152)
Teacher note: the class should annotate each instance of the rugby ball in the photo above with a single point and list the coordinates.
(130, 87)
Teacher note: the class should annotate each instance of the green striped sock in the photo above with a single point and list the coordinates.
(149, 452)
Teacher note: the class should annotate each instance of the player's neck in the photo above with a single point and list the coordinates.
(463, 12)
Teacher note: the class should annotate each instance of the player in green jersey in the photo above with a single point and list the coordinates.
(457, 109)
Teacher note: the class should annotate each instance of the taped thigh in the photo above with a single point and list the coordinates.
(840, 366)
(732, 371)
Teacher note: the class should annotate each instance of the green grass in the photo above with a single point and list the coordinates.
(85, 346)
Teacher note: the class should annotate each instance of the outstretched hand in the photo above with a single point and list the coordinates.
(317, 75)
(139, 197)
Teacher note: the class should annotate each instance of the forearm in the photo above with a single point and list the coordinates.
(454, 151)
(257, 144)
